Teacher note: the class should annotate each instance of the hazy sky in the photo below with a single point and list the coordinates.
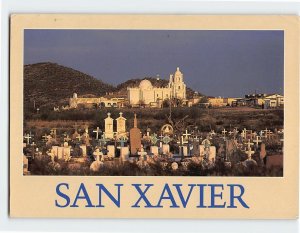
(217, 63)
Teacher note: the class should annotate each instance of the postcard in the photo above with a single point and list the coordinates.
(154, 116)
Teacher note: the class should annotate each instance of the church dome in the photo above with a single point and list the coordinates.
(145, 85)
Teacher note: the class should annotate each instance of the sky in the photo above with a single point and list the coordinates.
(227, 63)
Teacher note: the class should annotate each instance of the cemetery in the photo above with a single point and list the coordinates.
(119, 145)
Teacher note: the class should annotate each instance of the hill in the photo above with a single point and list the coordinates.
(49, 84)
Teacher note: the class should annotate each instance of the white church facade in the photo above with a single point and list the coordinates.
(148, 95)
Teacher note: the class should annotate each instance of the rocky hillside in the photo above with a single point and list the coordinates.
(50, 84)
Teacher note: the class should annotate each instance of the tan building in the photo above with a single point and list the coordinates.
(76, 101)
(148, 95)
(273, 101)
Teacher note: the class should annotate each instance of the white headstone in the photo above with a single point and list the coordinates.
(154, 150)
(60, 152)
(124, 153)
(185, 150)
(166, 149)
(121, 124)
(54, 150)
(109, 130)
(210, 152)
(111, 151)
(67, 153)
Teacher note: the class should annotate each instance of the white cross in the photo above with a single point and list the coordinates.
(212, 132)
(78, 137)
(230, 132)
(97, 131)
(45, 137)
(249, 152)
(224, 132)
(27, 137)
(161, 137)
(97, 153)
(257, 140)
(243, 133)
(249, 144)
(266, 132)
(186, 134)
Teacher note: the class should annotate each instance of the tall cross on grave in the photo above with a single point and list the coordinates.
(244, 133)
(97, 131)
(249, 152)
(27, 137)
(186, 135)
(257, 140)
(249, 144)
(224, 132)
(230, 133)
(45, 137)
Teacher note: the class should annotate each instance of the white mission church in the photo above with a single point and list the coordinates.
(146, 94)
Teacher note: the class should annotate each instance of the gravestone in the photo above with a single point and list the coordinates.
(121, 124)
(54, 150)
(165, 149)
(83, 150)
(109, 131)
(97, 164)
(135, 138)
(185, 151)
(60, 152)
(154, 150)
(98, 155)
(67, 153)
(111, 151)
(86, 137)
(196, 148)
(208, 152)
(174, 166)
(124, 153)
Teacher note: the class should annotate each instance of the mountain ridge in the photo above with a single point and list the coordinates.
(47, 85)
